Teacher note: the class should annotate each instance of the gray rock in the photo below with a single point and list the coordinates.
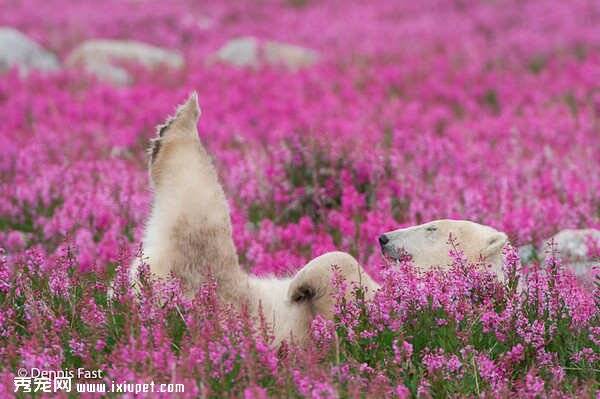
(582, 269)
(573, 249)
(293, 57)
(240, 52)
(528, 253)
(248, 51)
(572, 245)
(17, 50)
(105, 58)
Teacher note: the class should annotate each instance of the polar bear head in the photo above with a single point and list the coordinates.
(427, 244)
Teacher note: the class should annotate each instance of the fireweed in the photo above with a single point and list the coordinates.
(439, 333)
(472, 110)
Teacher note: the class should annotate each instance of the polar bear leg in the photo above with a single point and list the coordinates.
(188, 233)
(312, 285)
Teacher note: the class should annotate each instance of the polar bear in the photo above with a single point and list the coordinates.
(427, 244)
(189, 235)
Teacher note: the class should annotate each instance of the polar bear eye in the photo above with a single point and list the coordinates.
(431, 229)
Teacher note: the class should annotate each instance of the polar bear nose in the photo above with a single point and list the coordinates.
(383, 239)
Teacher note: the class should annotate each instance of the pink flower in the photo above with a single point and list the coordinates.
(255, 392)
(402, 392)
(534, 385)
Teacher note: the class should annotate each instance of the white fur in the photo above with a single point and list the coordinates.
(427, 244)
(188, 235)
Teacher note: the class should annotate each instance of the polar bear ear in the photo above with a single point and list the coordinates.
(494, 244)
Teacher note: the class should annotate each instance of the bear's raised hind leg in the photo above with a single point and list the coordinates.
(188, 233)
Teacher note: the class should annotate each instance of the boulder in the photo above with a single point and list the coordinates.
(578, 251)
(17, 50)
(291, 56)
(528, 253)
(249, 51)
(240, 52)
(575, 245)
(106, 59)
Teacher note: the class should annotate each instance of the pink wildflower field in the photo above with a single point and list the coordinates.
(413, 111)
